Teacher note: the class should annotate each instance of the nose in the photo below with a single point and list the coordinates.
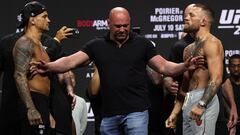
(48, 20)
(122, 28)
(235, 68)
(186, 17)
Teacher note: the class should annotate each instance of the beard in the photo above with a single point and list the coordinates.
(235, 75)
(121, 37)
(190, 28)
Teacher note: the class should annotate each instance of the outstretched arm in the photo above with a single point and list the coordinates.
(61, 65)
(22, 54)
(162, 66)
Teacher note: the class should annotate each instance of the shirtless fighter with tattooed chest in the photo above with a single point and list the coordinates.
(33, 90)
(197, 96)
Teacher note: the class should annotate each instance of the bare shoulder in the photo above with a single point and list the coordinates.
(214, 41)
(24, 43)
(213, 45)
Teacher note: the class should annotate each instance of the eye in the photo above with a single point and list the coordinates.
(118, 26)
(124, 26)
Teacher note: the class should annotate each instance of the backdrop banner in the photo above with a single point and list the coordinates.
(159, 20)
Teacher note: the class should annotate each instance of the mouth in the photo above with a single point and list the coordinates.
(121, 34)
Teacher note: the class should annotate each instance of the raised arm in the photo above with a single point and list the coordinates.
(62, 33)
(22, 54)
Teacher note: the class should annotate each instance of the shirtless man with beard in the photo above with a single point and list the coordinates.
(197, 97)
(33, 90)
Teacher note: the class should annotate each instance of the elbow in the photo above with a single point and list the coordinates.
(16, 76)
(216, 82)
(219, 82)
(170, 73)
(19, 78)
(93, 92)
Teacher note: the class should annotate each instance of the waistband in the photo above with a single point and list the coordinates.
(198, 90)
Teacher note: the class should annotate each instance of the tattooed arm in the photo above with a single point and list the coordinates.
(22, 54)
(214, 55)
(213, 51)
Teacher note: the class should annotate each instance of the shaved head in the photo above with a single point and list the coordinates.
(119, 24)
(118, 11)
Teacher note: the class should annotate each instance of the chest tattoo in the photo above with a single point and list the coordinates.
(198, 46)
(194, 50)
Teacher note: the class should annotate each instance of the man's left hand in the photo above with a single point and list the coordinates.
(72, 99)
(193, 63)
(196, 113)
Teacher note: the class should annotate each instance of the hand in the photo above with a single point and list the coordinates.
(63, 33)
(196, 113)
(32, 71)
(232, 131)
(34, 117)
(72, 99)
(38, 67)
(233, 118)
(171, 121)
(52, 122)
(193, 63)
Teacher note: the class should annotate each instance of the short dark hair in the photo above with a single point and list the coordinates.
(235, 56)
(209, 11)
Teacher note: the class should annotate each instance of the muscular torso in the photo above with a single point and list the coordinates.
(39, 83)
(198, 78)
(26, 50)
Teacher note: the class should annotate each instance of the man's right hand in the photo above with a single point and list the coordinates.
(34, 117)
(233, 117)
(63, 33)
(171, 121)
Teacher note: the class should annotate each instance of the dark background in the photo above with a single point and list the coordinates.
(69, 12)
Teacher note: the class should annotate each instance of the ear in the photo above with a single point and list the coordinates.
(204, 21)
(32, 20)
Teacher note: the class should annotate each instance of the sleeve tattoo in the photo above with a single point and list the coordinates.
(209, 92)
(22, 55)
